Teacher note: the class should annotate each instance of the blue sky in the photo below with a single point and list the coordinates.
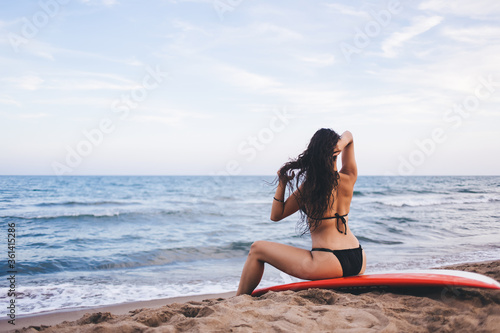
(238, 87)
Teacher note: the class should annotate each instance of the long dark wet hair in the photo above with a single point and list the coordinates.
(314, 169)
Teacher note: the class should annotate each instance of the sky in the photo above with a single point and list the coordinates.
(238, 87)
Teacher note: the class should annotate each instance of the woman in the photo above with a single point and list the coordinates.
(323, 195)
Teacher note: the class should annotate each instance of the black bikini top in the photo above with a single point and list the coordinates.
(338, 217)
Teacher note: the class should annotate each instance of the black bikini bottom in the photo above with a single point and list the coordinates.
(351, 260)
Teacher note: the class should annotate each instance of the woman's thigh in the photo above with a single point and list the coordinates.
(297, 262)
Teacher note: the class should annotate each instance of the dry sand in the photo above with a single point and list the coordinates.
(314, 310)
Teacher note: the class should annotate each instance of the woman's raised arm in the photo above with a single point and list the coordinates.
(346, 146)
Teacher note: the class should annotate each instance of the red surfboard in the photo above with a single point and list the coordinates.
(422, 278)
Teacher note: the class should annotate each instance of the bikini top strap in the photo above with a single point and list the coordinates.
(342, 219)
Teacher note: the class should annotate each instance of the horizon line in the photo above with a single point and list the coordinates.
(245, 175)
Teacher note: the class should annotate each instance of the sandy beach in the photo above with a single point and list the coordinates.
(314, 310)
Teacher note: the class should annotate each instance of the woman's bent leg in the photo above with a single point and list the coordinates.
(251, 274)
(291, 260)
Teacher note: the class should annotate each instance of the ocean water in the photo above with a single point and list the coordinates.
(91, 240)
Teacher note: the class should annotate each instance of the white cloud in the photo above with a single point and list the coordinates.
(457, 69)
(132, 61)
(244, 78)
(468, 8)
(47, 51)
(195, 1)
(421, 24)
(13, 22)
(33, 115)
(302, 96)
(70, 101)
(347, 10)
(275, 33)
(166, 120)
(107, 3)
(72, 81)
(167, 117)
(320, 60)
(319, 99)
(76, 80)
(187, 27)
(25, 82)
(38, 50)
(475, 35)
(88, 84)
(30, 46)
(20, 115)
(6, 100)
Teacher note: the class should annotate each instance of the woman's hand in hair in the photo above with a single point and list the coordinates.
(286, 177)
(344, 141)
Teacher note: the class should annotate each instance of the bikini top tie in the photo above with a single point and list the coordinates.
(338, 217)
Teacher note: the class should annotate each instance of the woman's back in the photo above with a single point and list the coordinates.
(332, 233)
